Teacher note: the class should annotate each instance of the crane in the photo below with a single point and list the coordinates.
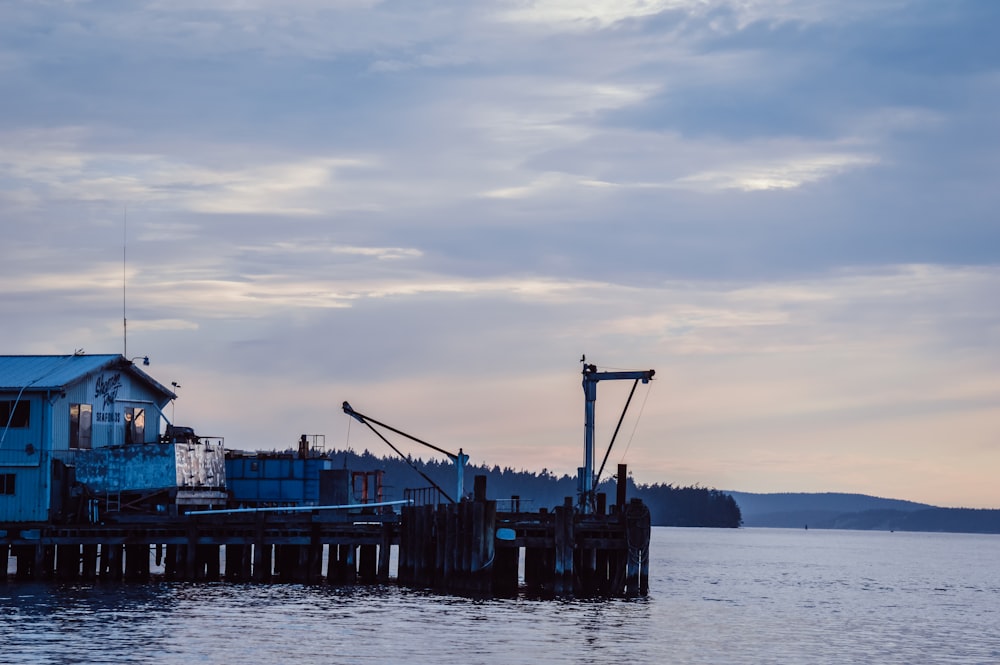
(459, 458)
(587, 480)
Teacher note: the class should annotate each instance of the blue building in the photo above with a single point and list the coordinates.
(92, 422)
(306, 477)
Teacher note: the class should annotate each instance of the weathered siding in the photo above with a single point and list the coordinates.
(200, 465)
(30, 501)
(16, 438)
(152, 466)
(111, 392)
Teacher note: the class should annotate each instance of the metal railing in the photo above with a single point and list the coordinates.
(424, 496)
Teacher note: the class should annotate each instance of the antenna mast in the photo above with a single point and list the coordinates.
(124, 319)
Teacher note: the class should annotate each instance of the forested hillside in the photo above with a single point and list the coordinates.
(668, 505)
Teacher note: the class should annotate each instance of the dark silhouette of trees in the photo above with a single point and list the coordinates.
(689, 506)
(668, 505)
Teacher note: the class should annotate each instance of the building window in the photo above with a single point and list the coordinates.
(81, 418)
(135, 425)
(15, 414)
(7, 483)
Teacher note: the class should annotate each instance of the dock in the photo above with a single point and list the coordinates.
(466, 548)
(118, 492)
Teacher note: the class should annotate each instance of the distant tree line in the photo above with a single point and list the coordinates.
(956, 520)
(689, 506)
(668, 505)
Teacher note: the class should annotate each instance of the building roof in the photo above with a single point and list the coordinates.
(38, 373)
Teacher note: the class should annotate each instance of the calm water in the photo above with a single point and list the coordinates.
(716, 596)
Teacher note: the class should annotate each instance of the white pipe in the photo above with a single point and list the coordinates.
(289, 509)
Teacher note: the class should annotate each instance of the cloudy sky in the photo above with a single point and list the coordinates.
(432, 209)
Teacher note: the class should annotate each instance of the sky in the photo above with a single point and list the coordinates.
(433, 209)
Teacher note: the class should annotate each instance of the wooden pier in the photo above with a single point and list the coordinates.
(472, 548)
(467, 548)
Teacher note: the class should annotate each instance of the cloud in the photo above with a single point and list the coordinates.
(438, 207)
(786, 175)
(585, 14)
(58, 169)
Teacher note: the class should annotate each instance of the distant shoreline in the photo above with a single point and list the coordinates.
(860, 512)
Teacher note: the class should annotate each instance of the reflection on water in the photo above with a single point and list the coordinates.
(717, 596)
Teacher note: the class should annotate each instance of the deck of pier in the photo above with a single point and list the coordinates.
(464, 548)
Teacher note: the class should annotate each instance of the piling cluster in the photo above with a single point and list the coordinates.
(471, 548)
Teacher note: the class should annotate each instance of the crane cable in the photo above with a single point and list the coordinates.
(639, 417)
(621, 418)
(408, 461)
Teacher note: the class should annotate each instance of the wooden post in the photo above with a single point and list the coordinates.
(137, 562)
(266, 562)
(261, 570)
(315, 563)
(637, 531)
(38, 567)
(49, 561)
(621, 487)
(191, 569)
(4, 558)
(465, 537)
(246, 562)
(367, 564)
(303, 569)
(603, 573)
(89, 558)
(419, 538)
(384, 553)
(586, 560)
(539, 563)
(234, 563)
(488, 548)
(111, 554)
(564, 542)
(210, 556)
(169, 561)
(287, 563)
(504, 573)
(333, 575)
(442, 566)
(559, 536)
(451, 543)
(477, 544)
(67, 562)
(130, 566)
(25, 556)
(350, 563)
(403, 568)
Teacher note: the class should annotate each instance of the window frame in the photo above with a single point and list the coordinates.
(17, 412)
(78, 434)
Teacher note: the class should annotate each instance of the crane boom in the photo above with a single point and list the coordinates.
(458, 458)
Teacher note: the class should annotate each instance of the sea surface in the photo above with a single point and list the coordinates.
(716, 596)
